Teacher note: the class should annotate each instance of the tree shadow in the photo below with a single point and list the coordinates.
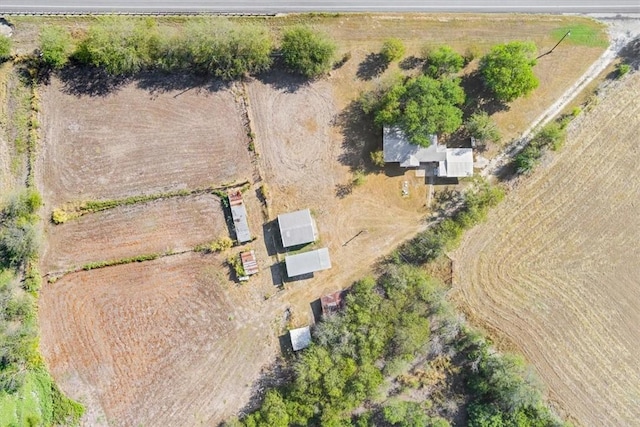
(630, 54)
(159, 82)
(373, 66)
(410, 63)
(479, 97)
(360, 136)
(84, 80)
(281, 79)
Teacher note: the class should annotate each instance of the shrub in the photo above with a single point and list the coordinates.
(219, 245)
(377, 158)
(307, 52)
(235, 263)
(56, 45)
(623, 69)
(392, 49)
(481, 127)
(359, 178)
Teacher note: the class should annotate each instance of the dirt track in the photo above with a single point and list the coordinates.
(555, 270)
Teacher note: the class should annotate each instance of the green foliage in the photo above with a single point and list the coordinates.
(392, 49)
(235, 263)
(623, 69)
(481, 127)
(56, 45)
(18, 239)
(307, 52)
(422, 106)
(110, 263)
(587, 34)
(5, 48)
(550, 136)
(220, 245)
(443, 61)
(359, 178)
(377, 158)
(507, 70)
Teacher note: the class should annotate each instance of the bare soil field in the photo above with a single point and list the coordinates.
(555, 271)
(175, 224)
(167, 342)
(133, 141)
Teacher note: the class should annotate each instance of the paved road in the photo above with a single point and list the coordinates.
(275, 6)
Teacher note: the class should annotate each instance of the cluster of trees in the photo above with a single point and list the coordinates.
(217, 48)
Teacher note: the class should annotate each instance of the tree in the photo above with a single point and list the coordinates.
(423, 106)
(443, 61)
(307, 52)
(5, 48)
(55, 46)
(392, 50)
(481, 127)
(507, 70)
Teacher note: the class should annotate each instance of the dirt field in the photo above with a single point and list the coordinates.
(134, 141)
(167, 342)
(555, 271)
(173, 224)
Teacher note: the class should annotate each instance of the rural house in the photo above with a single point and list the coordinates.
(300, 338)
(436, 159)
(239, 215)
(307, 262)
(297, 228)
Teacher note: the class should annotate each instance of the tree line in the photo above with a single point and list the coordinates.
(218, 48)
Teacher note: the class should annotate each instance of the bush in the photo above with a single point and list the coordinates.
(623, 69)
(392, 49)
(219, 245)
(56, 45)
(5, 48)
(377, 158)
(307, 52)
(481, 127)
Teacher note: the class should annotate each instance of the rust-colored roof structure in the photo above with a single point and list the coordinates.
(249, 262)
(332, 303)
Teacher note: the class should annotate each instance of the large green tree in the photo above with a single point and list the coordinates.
(507, 70)
(422, 106)
(443, 61)
(55, 46)
(307, 52)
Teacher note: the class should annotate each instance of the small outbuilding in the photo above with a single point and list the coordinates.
(297, 228)
(239, 215)
(332, 303)
(300, 338)
(307, 262)
(249, 262)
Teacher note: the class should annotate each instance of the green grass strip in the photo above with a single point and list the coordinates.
(583, 35)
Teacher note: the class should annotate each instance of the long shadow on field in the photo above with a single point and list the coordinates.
(360, 136)
(630, 54)
(83, 80)
(282, 80)
(159, 82)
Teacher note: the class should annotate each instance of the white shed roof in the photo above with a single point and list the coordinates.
(297, 228)
(458, 163)
(239, 215)
(397, 148)
(307, 262)
(300, 338)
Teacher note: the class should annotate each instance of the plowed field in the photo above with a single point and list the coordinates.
(556, 269)
(131, 142)
(156, 343)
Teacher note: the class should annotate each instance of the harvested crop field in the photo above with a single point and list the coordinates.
(174, 224)
(134, 141)
(166, 342)
(555, 271)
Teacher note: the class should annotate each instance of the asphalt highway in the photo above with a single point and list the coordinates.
(284, 6)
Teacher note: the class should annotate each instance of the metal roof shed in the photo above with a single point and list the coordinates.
(307, 262)
(300, 338)
(239, 214)
(297, 228)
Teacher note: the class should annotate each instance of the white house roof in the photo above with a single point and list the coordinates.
(397, 148)
(300, 338)
(458, 163)
(307, 262)
(297, 228)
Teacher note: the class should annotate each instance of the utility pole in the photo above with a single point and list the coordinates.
(552, 49)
